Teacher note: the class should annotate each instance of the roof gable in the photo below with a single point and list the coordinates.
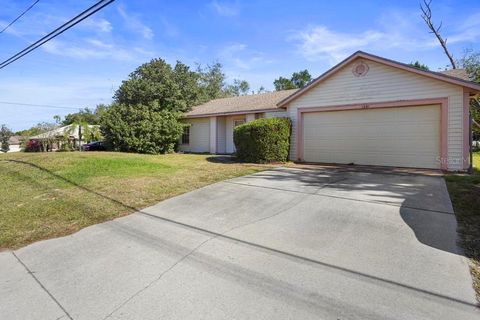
(366, 56)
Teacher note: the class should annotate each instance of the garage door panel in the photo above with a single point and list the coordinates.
(407, 136)
(409, 131)
(423, 113)
(373, 147)
(380, 159)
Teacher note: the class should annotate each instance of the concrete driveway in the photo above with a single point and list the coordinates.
(281, 244)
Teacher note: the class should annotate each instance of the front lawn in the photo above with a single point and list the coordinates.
(45, 195)
(465, 194)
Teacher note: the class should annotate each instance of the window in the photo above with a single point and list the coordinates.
(238, 122)
(186, 135)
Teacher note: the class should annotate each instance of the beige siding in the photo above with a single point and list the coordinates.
(199, 136)
(249, 117)
(277, 114)
(384, 83)
(403, 137)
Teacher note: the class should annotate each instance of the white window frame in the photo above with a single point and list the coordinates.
(238, 122)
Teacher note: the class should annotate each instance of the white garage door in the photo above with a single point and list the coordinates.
(403, 137)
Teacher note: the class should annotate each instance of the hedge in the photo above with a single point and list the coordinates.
(263, 140)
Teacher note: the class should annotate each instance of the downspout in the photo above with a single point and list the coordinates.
(470, 167)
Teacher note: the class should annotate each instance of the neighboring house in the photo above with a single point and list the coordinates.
(366, 110)
(14, 143)
(62, 135)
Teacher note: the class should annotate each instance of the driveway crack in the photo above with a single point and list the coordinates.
(43, 287)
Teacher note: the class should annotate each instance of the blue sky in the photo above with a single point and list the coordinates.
(254, 40)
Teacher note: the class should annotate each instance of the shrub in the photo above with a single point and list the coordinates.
(140, 128)
(263, 140)
(33, 146)
(66, 147)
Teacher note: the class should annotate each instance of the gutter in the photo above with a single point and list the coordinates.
(218, 114)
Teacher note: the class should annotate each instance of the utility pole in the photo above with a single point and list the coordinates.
(80, 137)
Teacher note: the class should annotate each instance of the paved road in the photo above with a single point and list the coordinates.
(281, 244)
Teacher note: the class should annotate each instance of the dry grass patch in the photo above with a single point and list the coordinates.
(45, 195)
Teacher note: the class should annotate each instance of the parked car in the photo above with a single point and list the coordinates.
(94, 146)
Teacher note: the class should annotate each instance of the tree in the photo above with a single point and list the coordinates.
(297, 80)
(85, 115)
(57, 119)
(283, 84)
(419, 65)
(471, 63)
(141, 128)
(5, 135)
(301, 79)
(172, 89)
(86, 132)
(427, 17)
(211, 81)
(145, 114)
(238, 88)
(33, 131)
(261, 90)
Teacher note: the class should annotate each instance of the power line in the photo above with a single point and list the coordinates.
(21, 15)
(69, 24)
(37, 105)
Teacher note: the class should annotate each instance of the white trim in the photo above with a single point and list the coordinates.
(213, 135)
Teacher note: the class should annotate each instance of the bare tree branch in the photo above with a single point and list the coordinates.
(427, 17)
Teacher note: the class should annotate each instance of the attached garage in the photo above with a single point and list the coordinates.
(398, 136)
(366, 110)
(369, 110)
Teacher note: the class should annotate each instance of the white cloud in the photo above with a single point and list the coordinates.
(321, 42)
(96, 49)
(101, 25)
(227, 9)
(395, 30)
(237, 55)
(134, 23)
(469, 30)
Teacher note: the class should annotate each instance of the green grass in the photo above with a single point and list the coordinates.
(45, 195)
(465, 194)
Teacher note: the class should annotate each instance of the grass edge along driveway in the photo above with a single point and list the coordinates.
(46, 195)
(464, 190)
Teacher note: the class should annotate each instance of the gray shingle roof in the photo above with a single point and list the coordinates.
(254, 103)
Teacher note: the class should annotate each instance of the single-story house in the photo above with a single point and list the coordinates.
(15, 143)
(54, 139)
(366, 110)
